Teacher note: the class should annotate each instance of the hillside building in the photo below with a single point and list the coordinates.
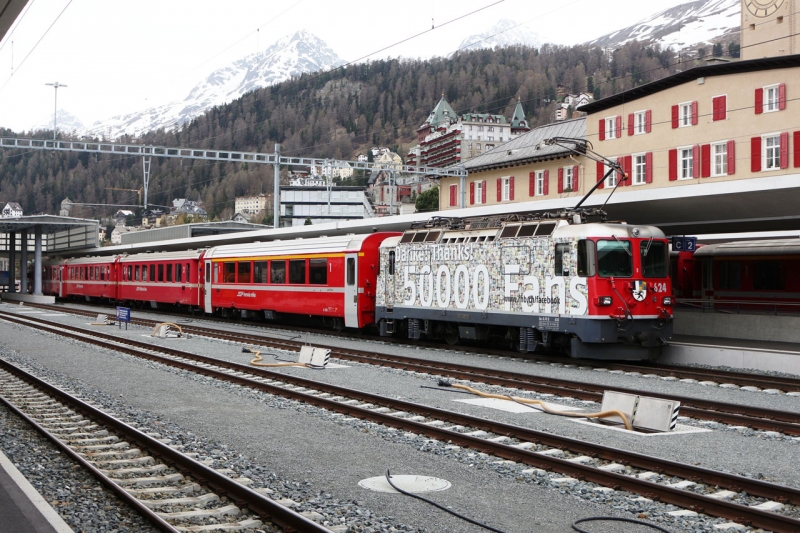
(11, 210)
(446, 138)
(248, 206)
(323, 204)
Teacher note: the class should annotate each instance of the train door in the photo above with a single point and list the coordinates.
(351, 290)
(388, 284)
(207, 288)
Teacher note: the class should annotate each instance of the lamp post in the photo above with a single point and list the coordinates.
(55, 85)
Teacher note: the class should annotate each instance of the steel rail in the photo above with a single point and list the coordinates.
(733, 414)
(697, 502)
(241, 495)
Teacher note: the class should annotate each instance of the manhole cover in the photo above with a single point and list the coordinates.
(413, 484)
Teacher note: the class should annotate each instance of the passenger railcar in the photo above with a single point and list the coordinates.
(598, 290)
(52, 272)
(751, 274)
(161, 278)
(329, 277)
(90, 277)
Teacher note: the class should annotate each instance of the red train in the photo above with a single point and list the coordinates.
(744, 275)
(596, 289)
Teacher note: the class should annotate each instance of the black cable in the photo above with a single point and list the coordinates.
(443, 508)
(615, 519)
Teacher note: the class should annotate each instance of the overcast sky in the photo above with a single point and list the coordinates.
(117, 57)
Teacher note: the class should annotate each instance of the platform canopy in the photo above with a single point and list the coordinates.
(62, 233)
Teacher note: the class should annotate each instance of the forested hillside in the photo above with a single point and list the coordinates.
(337, 114)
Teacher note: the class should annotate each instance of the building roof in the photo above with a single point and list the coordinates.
(482, 117)
(527, 148)
(518, 118)
(718, 69)
(441, 113)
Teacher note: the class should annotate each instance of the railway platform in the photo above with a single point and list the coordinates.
(761, 355)
(22, 508)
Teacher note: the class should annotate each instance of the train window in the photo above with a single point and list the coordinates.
(351, 271)
(229, 272)
(654, 256)
(419, 236)
(216, 273)
(169, 273)
(391, 263)
(297, 271)
(528, 230)
(161, 272)
(208, 275)
(102, 273)
(243, 272)
(562, 259)
(509, 231)
(769, 276)
(318, 271)
(432, 236)
(179, 273)
(586, 258)
(730, 275)
(277, 271)
(188, 272)
(406, 237)
(144, 272)
(545, 228)
(259, 272)
(614, 258)
(136, 273)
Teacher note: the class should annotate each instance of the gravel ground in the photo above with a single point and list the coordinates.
(313, 456)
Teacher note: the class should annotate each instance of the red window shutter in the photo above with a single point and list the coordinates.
(785, 150)
(546, 182)
(601, 172)
(796, 149)
(731, 157)
(720, 108)
(601, 129)
(531, 183)
(759, 101)
(499, 189)
(648, 121)
(621, 163)
(627, 164)
(560, 180)
(695, 116)
(484, 192)
(674, 117)
(472, 193)
(696, 161)
(511, 188)
(705, 154)
(618, 128)
(673, 164)
(782, 96)
(630, 124)
(755, 154)
(648, 167)
(453, 195)
(575, 175)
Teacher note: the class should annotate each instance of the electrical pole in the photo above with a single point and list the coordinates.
(55, 85)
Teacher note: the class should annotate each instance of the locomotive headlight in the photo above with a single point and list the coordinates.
(604, 300)
(668, 300)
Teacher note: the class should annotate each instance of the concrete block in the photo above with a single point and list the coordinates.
(723, 495)
(538, 472)
(682, 513)
(613, 467)
(552, 452)
(685, 484)
(564, 481)
(769, 506)
(730, 526)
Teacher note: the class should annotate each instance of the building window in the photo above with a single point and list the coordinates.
(611, 181)
(506, 189)
(569, 180)
(491, 128)
(686, 163)
(685, 114)
(772, 152)
(771, 98)
(639, 169)
(479, 192)
(539, 183)
(640, 122)
(489, 146)
(719, 159)
(611, 128)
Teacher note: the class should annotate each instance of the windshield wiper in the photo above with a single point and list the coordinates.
(648, 247)
(623, 246)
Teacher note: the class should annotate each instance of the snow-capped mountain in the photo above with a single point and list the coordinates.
(504, 33)
(291, 56)
(681, 26)
(66, 123)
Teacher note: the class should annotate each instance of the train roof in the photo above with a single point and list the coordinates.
(162, 256)
(751, 248)
(318, 245)
(104, 260)
(609, 229)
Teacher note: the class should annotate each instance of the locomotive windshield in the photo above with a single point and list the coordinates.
(654, 259)
(614, 258)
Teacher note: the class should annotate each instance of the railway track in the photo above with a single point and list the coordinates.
(770, 383)
(170, 489)
(732, 414)
(759, 504)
